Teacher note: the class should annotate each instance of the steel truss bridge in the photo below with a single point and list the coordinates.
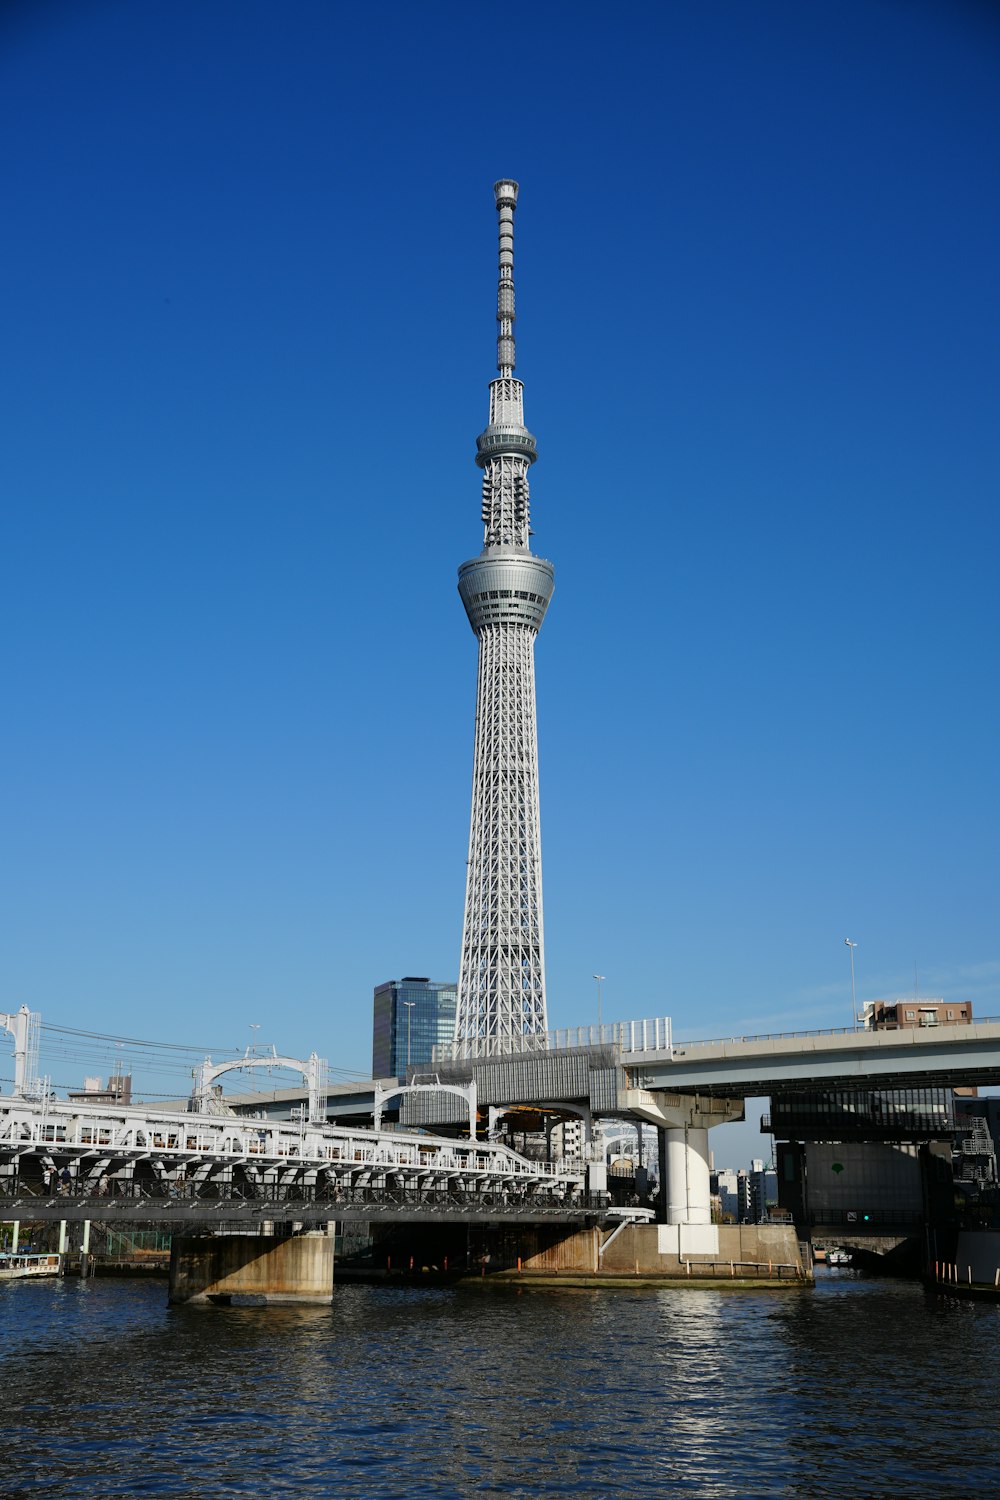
(130, 1164)
(233, 1207)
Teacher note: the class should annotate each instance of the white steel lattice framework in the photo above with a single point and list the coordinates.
(506, 591)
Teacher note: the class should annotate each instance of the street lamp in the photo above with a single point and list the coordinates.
(854, 998)
(599, 978)
(409, 1018)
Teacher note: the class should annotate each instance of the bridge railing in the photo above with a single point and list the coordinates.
(651, 1035)
(755, 1270)
(949, 1028)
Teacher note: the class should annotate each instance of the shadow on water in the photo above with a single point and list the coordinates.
(861, 1388)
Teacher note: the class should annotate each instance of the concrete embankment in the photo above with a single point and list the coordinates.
(680, 1254)
(731, 1257)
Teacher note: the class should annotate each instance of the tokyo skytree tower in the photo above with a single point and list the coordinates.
(506, 591)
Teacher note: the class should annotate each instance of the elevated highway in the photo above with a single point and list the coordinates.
(752, 1066)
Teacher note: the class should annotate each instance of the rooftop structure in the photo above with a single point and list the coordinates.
(894, 1015)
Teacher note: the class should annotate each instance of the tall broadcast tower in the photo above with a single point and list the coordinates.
(506, 591)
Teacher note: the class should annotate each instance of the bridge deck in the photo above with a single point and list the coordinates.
(232, 1207)
(742, 1067)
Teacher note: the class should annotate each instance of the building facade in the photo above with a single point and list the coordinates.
(899, 1015)
(410, 1018)
(506, 590)
(858, 1158)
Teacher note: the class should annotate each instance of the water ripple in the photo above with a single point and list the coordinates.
(859, 1389)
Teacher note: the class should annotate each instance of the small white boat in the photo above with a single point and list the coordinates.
(838, 1258)
(15, 1267)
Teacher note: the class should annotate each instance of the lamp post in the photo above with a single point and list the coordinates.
(599, 978)
(409, 1019)
(854, 997)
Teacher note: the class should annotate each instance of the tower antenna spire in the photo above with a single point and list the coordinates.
(505, 193)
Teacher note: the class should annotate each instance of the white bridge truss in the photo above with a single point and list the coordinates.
(103, 1146)
(506, 591)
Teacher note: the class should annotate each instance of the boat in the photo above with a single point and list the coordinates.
(838, 1258)
(17, 1266)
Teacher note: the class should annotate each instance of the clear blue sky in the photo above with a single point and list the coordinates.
(248, 291)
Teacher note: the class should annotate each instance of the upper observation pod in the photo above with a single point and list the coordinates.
(505, 192)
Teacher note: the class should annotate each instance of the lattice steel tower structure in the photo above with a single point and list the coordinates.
(506, 591)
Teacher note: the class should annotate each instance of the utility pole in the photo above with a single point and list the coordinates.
(600, 980)
(409, 1018)
(854, 997)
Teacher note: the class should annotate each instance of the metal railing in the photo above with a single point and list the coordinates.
(745, 1270)
(651, 1035)
(861, 1220)
(878, 1121)
(865, 1031)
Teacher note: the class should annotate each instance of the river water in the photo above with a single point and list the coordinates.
(860, 1388)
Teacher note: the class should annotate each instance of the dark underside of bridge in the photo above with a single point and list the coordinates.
(364, 1206)
(768, 1086)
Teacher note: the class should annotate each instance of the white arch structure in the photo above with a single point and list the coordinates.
(312, 1072)
(466, 1091)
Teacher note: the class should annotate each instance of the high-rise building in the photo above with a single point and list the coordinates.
(411, 1017)
(506, 591)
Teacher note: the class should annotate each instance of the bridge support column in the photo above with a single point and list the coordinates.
(257, 1269)
(683, 1122)
(688, 1197)
(85, 1251)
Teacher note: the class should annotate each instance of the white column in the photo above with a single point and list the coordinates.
(688, 1197)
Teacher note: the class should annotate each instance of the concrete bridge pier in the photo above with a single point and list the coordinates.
(683, 1122)
(251, 1268)
(687, 1193)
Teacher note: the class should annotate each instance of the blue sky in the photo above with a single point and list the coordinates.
(248, 282)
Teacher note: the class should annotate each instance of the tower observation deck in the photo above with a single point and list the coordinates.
(506, 591)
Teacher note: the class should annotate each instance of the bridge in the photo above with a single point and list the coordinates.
(253, 1203)
(743, 1067)
(73, 1161)
(227, 1163)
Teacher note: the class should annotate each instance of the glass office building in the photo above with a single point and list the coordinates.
(411, 1017)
